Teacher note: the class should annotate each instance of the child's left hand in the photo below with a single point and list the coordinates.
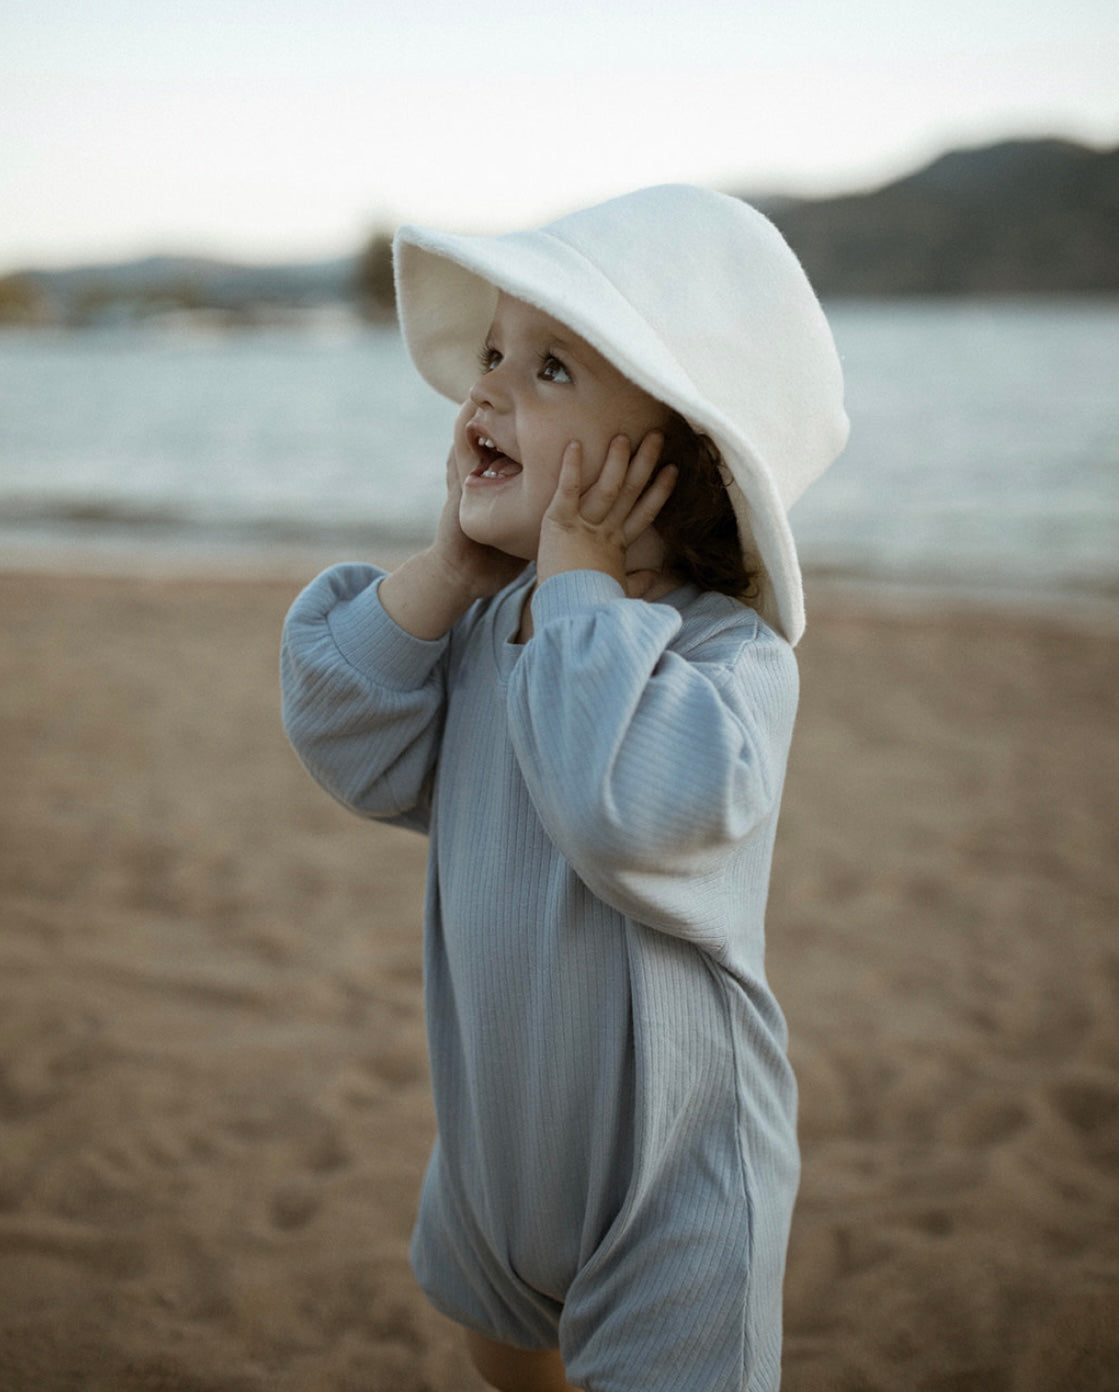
(593, 528)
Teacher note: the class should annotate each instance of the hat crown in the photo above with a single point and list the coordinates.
(718, 285)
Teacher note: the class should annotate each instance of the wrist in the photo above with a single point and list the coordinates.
(475, 574)
(425, 596)
(570, 554)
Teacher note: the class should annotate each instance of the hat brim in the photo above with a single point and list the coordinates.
(447, 292)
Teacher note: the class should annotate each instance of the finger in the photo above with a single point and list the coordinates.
(564, 506)
(601, 496)
(454, 482)
(640, 470)
(648, 506)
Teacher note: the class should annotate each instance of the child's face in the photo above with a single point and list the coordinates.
(540, 387)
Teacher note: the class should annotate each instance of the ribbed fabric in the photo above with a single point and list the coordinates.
(616, 1161)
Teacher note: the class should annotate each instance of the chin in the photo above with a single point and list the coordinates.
(483, 536)
(482, 532)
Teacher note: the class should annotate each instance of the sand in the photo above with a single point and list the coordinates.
(214, 1104)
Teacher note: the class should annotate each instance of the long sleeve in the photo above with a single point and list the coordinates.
(362, 700)
(655, 757)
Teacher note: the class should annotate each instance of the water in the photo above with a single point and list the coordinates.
(984, 447)
(252, 436)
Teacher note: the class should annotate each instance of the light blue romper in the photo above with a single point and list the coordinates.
(616, 1159)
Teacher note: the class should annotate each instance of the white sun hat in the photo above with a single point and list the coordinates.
(695, 297)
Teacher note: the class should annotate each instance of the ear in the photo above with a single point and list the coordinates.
(640, 582)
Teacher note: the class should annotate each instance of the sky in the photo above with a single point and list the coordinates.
(267, 130)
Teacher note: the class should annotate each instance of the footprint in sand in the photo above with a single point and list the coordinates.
(295, 1203)
(987, 1123)
(82, 1243)
(1090, 1104)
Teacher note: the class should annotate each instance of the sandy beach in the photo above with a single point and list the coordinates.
(214, 1104)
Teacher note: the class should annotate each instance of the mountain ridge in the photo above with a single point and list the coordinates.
(1016, 217)
(1037, 217)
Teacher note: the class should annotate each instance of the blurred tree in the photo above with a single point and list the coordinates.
(95, 304)
(21, 302)
(373, 285)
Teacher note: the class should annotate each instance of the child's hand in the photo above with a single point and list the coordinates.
(427, 593)
(593, 528)
(479, 570)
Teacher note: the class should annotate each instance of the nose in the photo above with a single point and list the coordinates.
(489, 389)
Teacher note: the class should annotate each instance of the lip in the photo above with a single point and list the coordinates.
(486, 450)
(476, 434)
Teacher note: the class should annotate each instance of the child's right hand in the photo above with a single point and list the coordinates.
(430, 591)
(479, 570)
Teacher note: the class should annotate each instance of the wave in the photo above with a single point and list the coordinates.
(88, 512)
(129, 533)
(90, 520)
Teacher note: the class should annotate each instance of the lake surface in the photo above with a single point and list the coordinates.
(984, 445)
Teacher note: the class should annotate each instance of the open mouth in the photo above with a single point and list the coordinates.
(492, 462)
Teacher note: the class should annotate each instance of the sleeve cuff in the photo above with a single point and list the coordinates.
(377, 647)
(572, 590)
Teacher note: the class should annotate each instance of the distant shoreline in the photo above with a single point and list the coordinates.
(1081, 604)
(1018, 217)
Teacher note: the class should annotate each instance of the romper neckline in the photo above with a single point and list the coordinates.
(510, 606)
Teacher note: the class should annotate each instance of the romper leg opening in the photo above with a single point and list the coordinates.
(509, 1369)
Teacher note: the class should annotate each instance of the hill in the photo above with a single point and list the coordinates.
(1023, 217)
(1016, 218)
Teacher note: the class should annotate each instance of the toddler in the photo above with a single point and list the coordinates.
(584, 691)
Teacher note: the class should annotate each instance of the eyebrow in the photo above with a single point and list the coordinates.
(571, 350)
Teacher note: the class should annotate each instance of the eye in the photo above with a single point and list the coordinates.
(488, 357)
(552, 370)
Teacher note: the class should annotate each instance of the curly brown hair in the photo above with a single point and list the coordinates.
(697, 523)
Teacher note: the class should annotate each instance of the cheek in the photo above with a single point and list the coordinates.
(464, 458)
(542, 456)
(644, 416)
(631, 414)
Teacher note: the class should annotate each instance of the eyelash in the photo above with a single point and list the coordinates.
(546, 358)
(489, 357)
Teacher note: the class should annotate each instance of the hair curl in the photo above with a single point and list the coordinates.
(697, 523)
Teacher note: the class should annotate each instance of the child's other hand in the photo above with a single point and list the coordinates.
(427, 593)
(594, 527)
(479, 570)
